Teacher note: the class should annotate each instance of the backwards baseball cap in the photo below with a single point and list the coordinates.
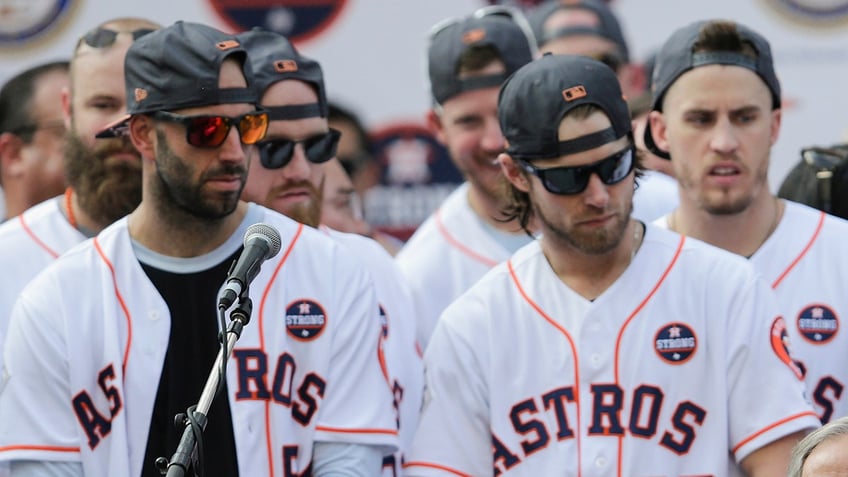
(177, 67)
(676, 57)
(273, 58)
(501, 28)
(607, 26)
(537, 97)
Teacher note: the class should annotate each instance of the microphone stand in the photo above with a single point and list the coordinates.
(194, 420)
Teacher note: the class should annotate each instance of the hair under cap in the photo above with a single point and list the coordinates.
(273, 58)
(178, 67)
(537, 97)
(447, 46)
(676, 57)
(608, 26)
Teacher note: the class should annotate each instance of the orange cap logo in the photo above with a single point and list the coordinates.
(285, 66)
(473, 36)
(226, 45)
(574, 93)
(140, 94)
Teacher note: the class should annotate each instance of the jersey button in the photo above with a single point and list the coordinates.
(601, 462)
(595, 359)
(153, 315)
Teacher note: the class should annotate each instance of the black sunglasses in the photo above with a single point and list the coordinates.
(276, 153)
(573, 180)
(105, 37)
(210, 131)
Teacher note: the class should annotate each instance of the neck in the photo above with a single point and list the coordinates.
(78, 217)
(490, 209)
(742, 233)
(184, 236)
(591, 274)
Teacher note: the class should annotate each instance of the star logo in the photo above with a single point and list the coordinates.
(304, 308)
(674, 332)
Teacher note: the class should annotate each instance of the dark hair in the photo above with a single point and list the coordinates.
(477, 57)
(518, 205)
(352, 165)
(721, 35)
(16, 99)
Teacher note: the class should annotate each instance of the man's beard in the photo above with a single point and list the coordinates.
(308, 213)
(106, 190)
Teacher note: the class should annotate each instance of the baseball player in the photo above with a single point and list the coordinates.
(289, 178)
(468, 59)
(97, 369)
(104, 178)
(607, 347)
(720, 139)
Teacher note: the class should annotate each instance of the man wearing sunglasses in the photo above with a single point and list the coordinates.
(468, 60)
(290, 177)
(606, 347)
(104, 178)
(32, 133)
(108, 345)
(716, 114)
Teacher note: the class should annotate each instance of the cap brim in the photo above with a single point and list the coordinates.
(117, 128)
(651, 145)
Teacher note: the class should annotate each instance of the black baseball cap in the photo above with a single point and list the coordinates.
(273, 58)
(676, 58)
(498, 27)
(608, 26)
(177, 67)
(537, 97)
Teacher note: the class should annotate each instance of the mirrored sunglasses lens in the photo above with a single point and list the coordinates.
(253, 127)
(616, 168)
(207, 131)
(566, 180)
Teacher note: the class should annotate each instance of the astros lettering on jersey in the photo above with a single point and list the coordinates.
(679, 368)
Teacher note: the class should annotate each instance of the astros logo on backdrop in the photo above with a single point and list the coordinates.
(22, 21)
(297, 20)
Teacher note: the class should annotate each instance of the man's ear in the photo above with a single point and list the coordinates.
(434, 124)
(11, 162)
(513, 172)
(658, 129)
(142, 133)
(67, 107)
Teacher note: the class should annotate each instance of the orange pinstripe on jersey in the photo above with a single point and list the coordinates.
(565, 333)
(436, 466)
(806, 249)
(459, 245)
(269, 444)
(35, 238)
(767, 428)
(627, 322)
(123, 306)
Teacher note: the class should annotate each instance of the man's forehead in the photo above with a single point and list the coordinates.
(290, 91)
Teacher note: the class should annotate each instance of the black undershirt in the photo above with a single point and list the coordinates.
(192, 348)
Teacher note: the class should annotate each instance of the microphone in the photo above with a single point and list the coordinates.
(261, 242)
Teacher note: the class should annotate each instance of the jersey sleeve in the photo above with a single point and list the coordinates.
(36, 419)
(453, 436)
(357, 405)
(766, 389)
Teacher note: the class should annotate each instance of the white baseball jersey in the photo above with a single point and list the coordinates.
(656, 196)
(805, 262)
(88, 337)
(31, 241)
(678, 368)
(448, 253)
(404, 367)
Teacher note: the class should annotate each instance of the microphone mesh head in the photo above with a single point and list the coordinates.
(268, 234)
